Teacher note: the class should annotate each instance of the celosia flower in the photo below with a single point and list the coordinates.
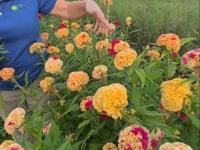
(113, 43)
(14, 120)
(155, 138)
(111, 99)
(53, 65)
(175, 146)
(121, 46)
(116, 23)
(82, 39)
(75, 25)
(153, 54)
(46, 128)
(7, 73)
(129, 21)
(62, 33)
(133, 137)
(44, 36)
(46, 84)
(40, 16)
(192, 58)
(76, 80)
(103, 45)
(37, 47)
(174, 94)
(86, 103)
(99, 72)
(69, 47)
(107, 3)
(125, 58)
(170, 40)
(88, 27)
(10, 145)
(109, 146)
(53, 50)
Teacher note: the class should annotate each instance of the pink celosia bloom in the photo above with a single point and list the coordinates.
(86, 103)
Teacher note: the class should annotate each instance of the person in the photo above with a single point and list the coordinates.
(19, 28)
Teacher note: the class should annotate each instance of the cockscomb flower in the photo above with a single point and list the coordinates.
(37, 47)
(113, 43)
(174, 94)
(69, 47)
(121, 46)
(153, 54)
(86, 103)
(192, 58)
(155, 138)
(7, 73)
(53, 65)
(53, 50)
(175, 146)
(111, 99)
(133, 137)
(99, 72)
(109, 146)
(170, 40)
(82, 39)
(107, 3)
(125, 58)
(46, 84)
(75, 25)
(88, 27)
(76, 80)
(46, 129)
(14, 120)
(129, 21)
(103, 45)
(10, 145)
(62, 33)
(44, 36)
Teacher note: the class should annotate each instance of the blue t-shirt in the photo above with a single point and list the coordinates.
(19, 28)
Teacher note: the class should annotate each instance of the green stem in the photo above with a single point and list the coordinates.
(2, 106)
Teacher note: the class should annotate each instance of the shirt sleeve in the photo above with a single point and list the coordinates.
(45, 6)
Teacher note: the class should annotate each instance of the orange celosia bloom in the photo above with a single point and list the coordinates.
(170, 40)
(44, 36)
(7, 73)
(53, 65)
(46, 128)
(46, 84)
(121, 46)
(86, 103)
(88, 27)
(99, 72)
(174, 94)
(107, 3)
(14, 120)
(109, 146)
(175, 145)
(103, 45)
(76, 80)
(62, 33)
(37, 47)
(69, 47)
(125, 58)
(53, 50)
(82, 39)
(10, 145)
(75, 25)
(111, 99)
(153, 54)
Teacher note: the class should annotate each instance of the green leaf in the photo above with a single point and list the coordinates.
(186, 40)
(66, 145)
(172, 69)
(195, 120)
(141, 74)
(72, 108)
(84, 123)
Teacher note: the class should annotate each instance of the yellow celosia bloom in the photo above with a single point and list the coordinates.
(153, 54)
(76, 80)
(53, 50)
(103, 45)
(129, 21)
(170, 40)
(125, 58)
(82, 39)
(175, 146)
(69, 47)
(14, 120)
(121, 46)
(99, 72)
(107, 3)
(111, 99)
(53, 65)
(75, 25)
(46, 84)
(7, 73)
(174, 94)
(109, 146)
(10, 145)
(62, 33)
(37, 47)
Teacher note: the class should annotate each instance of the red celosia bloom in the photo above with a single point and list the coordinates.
(116, 23)
(62, 25)
(40, 16)
(128, 148)
(88, 105)
(111, 51)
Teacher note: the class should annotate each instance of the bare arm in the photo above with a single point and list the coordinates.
(77, 9)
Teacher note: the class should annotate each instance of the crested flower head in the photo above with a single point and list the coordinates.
(99, 72)
(103, 45)
(10, 145)
(109, 146)
(175, 146)
(37, 47)
(121, 46)
(111, 99)
(129, 21)
(7, 73)
(75, 25)
(170, 40)
(53, 50)
(153, 54)
(88, 27)
(44, 36)
(53, 65)
(69, 47)
(133, 137)
(46, 84)
(107, 3)
(62, 33)
(76, 80)
(82, 39)
(125, 58)
(174, 94)
(86, 103)
(14, 120)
